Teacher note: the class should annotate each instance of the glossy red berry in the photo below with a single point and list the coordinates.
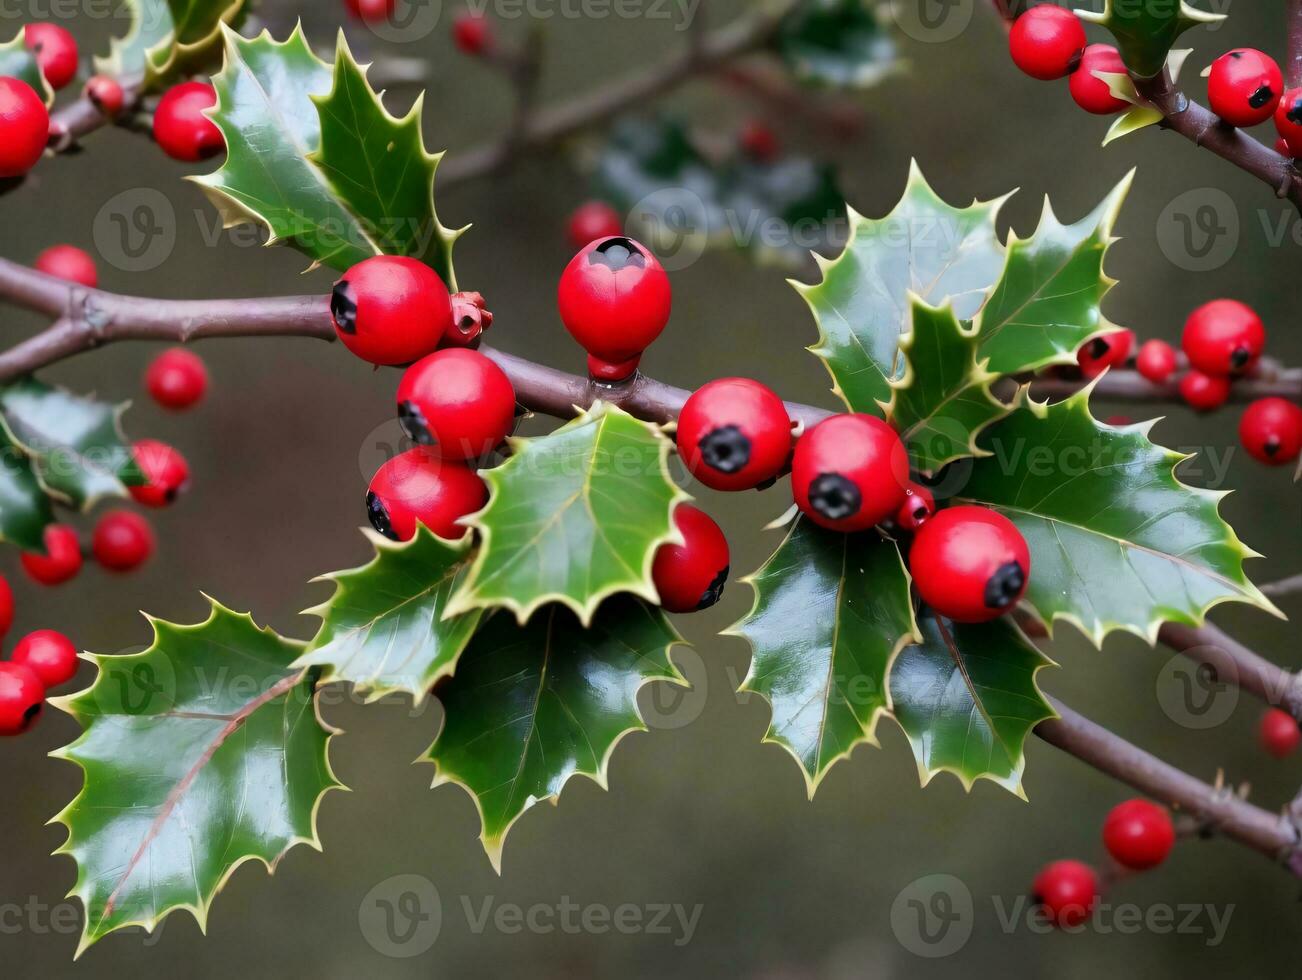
(970, 564)
(1204, 392)
(177, 379)
(1283, 149)
(123, 541)
(472, 33)
(6, 606)
(691, 575)
(166, 472)
(592, 220)
(1156, 361)
(759, 142)
(419, 486)
(850, 472)
(1090, 93)
(919, 506)
(1271, 431)
(371, 11)
(1047, 42)
(457, 402)
(1066, 891)
(180, 126)
(50, 655)
(1279, 733)
(734, 434)
(21, 696)
(1139, 834)
(1244, 86)
(1223, 337)
(614, 298)
(56, 52)
(62, 558)
(105, 94)
(1109, 350)
(24, 127)
(70, 263)
(390, 309)
(1288, 120)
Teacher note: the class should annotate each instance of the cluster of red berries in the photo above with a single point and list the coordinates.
(1245, 87)
(1048, 42)
(40, 661)
(1138, 834)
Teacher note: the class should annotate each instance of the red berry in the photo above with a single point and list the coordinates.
(850, 472)
(1244, 86)
(1204, 392)
(614, 298)
(1066, 891)
(21, 697)
(457, 402)
(734, 434)
(56, 52)
(970, 564)
(390, 309)
(1283, 149)
(919, 506)
(6, 606)
(419, 486)
(1156, 361)
(50, 655)
(1139, 834)
(105, 94)
(166, 473)
(1108, 350)
(180, 126)
(691, 576)
(62, 558)
(1223, 337)
(370, 11)
(1090, 93)
(471, 32)
(1279, 733)
(1271, 431)
(24, 127)
(70, 263)
(1288, 120)
(123, 541)
(1047, 42)
(177, 379)
(592, 220)
(759, 142)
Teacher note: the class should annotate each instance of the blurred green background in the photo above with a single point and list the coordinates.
(699, 812)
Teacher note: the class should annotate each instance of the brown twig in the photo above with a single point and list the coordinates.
(1284, 587)
(1293, 64)
(82, 117)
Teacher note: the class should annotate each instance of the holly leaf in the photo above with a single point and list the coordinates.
(1117, 541)
(831, 612)
(384, 630)
(1141, 113)
(168, 39)
(1048, 300)
(314, 158)
(966, 697)
(573, 517)
(531, 706)
(78, 451)
(838, 43)
(25, 510)
(1147, 31)
(923, 247)
(17, 61)
(199, 754)
(944, 401)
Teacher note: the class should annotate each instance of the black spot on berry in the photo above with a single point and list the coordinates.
(414, 425)
(617, 253)
(834, 496)
(1271, 446)
(379, 516)
(1236, 55)
(1240, 357)
(343, 307)
(1261, 97)
(715, 589)
(1294, 114)
(32, 713)
(1099, 348)
(725, 449)
(1005, 586)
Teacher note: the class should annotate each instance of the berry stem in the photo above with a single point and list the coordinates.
(82, 117)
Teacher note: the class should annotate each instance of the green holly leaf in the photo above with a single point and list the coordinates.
(1117, 541)
(966, 697)
(839, 43)
(76, 444)
(25, 509)
(531, 706)
(831, 612)
(384, 630)
(1048, 300)
(573, 517)
(1146, 31)
(16, 61)
(168, 39)
(313, 157)
(923, 247)
(944, 401)
(1141, 114)
(199, 754)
